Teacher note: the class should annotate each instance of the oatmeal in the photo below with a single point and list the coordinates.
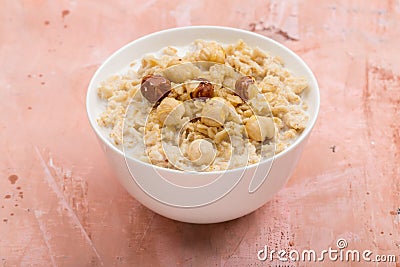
(214, 107)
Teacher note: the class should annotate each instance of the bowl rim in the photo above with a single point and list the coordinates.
(292, 146)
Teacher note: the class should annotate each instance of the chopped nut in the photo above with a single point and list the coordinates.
(245, 87)
(221, 135)
(201, 128)
(260, 128)
(234, 99)
(247, 113)
(201, 152)
(170, 111)
(214, 112)
(155, 87)
(205, 89)
(211, 131)
(182, 72)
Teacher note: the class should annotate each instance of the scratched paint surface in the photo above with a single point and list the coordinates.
(60, 204)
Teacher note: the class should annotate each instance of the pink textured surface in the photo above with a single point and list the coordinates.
(64, 207)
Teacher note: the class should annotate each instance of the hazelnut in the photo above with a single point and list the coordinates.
(154, 87)
(205, 89)
(220, 136)
(214, 112)
(170, 111)
(146, 77)
(201, 152)
(260, 128)
(182, 72)
(245, 87)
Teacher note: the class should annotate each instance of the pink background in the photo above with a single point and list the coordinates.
(60, 204)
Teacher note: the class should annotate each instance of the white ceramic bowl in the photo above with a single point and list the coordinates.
(207, 197)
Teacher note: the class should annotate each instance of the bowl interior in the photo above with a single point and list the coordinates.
(182, 37)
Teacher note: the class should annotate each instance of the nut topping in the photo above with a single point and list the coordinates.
(201, 152)
(205, 89)
(243, 85)
(214, 112)
(260, 128)
(155, 87)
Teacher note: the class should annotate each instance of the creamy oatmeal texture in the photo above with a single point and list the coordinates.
(212, 107)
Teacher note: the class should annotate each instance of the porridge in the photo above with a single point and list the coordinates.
(211, 107)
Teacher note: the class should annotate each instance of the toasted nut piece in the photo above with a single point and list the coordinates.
(211, 131)
(201, 152)
(170, 111)
(234, 99)
(145, 78)
(247, 113)
(260, 128)
(214, 112)
(245, 87)
(205, 89)
(182, 72)
(220, 136)
(154, 87)
(232, 114)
